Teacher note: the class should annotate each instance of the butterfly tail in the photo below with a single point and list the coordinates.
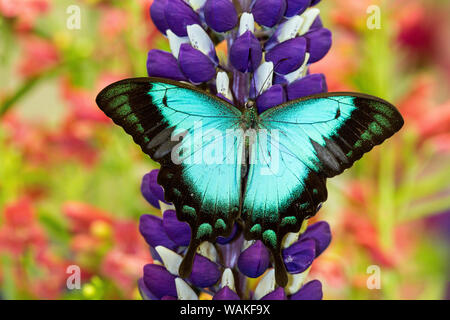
(186, 265)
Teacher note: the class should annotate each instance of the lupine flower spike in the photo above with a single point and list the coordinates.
(270, 45)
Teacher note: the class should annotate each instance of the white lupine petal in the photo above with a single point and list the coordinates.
(266, 285)
(228, 279)
(207, 250)
(175, 42)
(199, 39)
(165, 206)
(290, 28)
(170, 259)
(264, 77)
(290, 239)
(247, 23)
(295, 281)
(309, 15)
(184, 291)
(196, 4)
(223, 85)
(300, 72)
(293, 236)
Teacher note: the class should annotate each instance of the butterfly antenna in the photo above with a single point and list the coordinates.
(268, 77)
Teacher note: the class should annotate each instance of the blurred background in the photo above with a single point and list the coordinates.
(70, 179)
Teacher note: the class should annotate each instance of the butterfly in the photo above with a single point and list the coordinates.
(221, 165)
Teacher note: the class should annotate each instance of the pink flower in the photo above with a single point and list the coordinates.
(38, 56)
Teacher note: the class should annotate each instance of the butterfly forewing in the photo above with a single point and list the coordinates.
(197, 140)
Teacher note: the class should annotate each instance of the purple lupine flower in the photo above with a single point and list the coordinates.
(271, 45)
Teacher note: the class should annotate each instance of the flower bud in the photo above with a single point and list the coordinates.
(299, 256)
(246, 52)
(268, 12)
(178, 231)
(163, 64)
(288, 56)
(254, 260)
(195, 65)
(295, 7)
(220, 15)
(179, 15)
(153, 232)
(318, 43)
(309, 85)
(159, 281)
(310, 291)
(157, 10)
(272, 97)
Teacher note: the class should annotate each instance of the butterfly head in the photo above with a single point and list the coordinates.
(250, 104)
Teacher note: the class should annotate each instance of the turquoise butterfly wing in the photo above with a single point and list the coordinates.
(193, 136)
(214, 173)
(297, 146)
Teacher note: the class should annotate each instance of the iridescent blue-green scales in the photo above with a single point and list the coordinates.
(220, 164)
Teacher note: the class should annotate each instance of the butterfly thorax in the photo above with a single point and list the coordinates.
(249, 116)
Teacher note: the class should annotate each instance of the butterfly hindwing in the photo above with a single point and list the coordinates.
(185, 130)
(309, 140)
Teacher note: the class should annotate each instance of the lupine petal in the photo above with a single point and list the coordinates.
(179, 15)
(268, 12)
(175, 42)
(146, 294)
(272, 97)
(151, 190)
(314, 2)
(254, 260)
(178, 231)
(320, 232)
(157, 10)
(225, 240)
(246, 23)
(318, 43)
(159, 281)
(277, 294)
(201, 41)
(311, 84)
(226, 294)
(309, 16)
(163, 64)
(168, 298)
(228, 279)
(263, 77)
(153, 232)
(220, 15)
(299, 256)
(288, 56)
(195, 65)
(295, 7)
(310, 291)
(317, 24)
(171, 259)
(223, 86)
(246, 52)
(205, 273)
(184, 291)
(266, 285)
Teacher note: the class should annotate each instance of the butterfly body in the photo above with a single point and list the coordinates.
(220, 164)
